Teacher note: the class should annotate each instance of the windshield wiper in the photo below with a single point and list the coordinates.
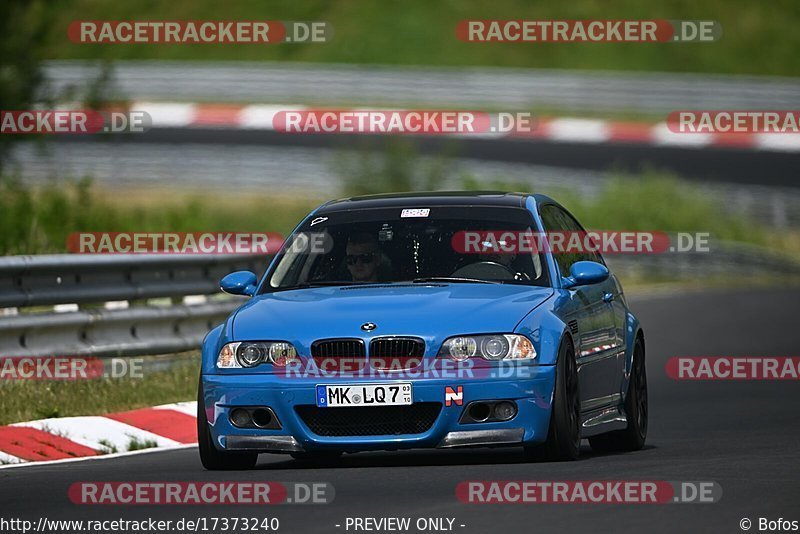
(452, 279)
(318, 283)
(330, 283)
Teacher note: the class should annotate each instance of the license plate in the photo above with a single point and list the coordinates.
(329, 396)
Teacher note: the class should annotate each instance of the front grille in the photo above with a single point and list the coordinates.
(344, 350)
(370, 421)
(338, 348)
(396, 353)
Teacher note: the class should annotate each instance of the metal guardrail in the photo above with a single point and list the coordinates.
(299, 83)
(724, 259)
(130, 332)
(135, 328)
(59, 279)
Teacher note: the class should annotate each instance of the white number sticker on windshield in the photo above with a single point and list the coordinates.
(415, 212)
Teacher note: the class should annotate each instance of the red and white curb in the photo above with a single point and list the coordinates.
(573, 130)
(168, 426)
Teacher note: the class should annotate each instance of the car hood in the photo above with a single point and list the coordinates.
(430, 311)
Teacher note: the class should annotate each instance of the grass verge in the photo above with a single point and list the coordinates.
(135, 444)
(35, 399)
(38, 220)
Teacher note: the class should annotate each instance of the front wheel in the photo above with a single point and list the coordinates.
(212, 458)
(563, 436)
(633, 437)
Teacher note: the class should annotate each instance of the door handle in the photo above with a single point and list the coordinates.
(608, 296)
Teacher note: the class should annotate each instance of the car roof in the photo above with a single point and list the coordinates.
(427, 199)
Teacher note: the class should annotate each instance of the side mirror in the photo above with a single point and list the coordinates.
(239, 283)
(584, 273)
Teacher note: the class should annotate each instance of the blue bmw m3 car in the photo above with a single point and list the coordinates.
(424, 320)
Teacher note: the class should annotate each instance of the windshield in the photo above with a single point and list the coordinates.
(391, 245)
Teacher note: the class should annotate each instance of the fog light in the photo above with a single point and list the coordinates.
(503, 411)
(480, 412)
(262, 417)
(240, 417)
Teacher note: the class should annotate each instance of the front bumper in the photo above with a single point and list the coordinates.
(532, 395)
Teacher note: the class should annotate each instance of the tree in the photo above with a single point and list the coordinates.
(23, 28)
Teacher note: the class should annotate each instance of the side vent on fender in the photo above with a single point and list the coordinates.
(573, 326)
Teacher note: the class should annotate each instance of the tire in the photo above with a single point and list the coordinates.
(636, 410)
(563, 436)
(317, 457)
(212, 458)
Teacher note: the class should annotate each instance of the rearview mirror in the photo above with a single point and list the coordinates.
(584, 273)
(239, 283)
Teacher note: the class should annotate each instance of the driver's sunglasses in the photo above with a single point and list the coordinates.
(351, 259)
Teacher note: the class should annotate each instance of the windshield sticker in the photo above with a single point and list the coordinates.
(415, 212)
(318, 220)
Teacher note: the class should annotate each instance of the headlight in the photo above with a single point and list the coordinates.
(490, 347)
(495, 347)
(250, 354)
(253, 353)
(461, 348)
(282, 353)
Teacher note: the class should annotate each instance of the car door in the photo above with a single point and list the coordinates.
(620, 310)
(590, 316)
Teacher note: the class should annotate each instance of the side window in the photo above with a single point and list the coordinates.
(574, 225)
(556, 219)
(552, 222)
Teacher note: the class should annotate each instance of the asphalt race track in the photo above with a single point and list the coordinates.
(743, 435)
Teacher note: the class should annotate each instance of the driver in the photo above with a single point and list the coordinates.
(363, 257)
